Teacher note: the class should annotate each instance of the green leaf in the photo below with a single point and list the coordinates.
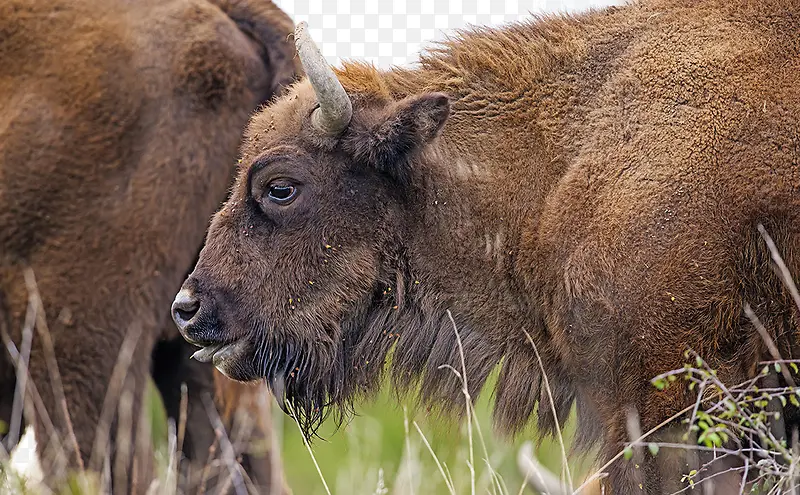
(653, 447)
(628, 453)
(689, 477)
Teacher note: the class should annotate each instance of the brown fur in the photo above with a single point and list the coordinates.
(119, 125)
(596, 185)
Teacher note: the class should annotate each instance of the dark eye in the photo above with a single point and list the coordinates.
(282, 193)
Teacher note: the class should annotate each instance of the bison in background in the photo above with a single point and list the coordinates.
(594, 182)
(119, 128)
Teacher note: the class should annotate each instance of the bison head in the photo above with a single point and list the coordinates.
(301, 265)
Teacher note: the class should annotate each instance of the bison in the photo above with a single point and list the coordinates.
(589, 184)
(119, 127)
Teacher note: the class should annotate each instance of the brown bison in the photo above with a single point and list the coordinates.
(594, 182)
(119, 127)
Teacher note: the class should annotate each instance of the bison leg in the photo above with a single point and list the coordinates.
(639, 474)
(98, 417)
(664, 472)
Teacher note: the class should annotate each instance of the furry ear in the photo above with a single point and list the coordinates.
(269, 29)
(389, 139)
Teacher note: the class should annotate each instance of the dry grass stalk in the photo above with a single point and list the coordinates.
(52, 363)
(228, 452)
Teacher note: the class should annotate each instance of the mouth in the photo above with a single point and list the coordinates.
(228, 358)
(206, 354)
(218, 353)
(215, 352)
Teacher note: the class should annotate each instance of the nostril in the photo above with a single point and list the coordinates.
(184, 308)
(187, 314)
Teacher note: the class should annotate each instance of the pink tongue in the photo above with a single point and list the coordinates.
(205, 354)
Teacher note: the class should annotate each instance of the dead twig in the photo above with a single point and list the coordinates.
(228, 453)
(52, 362)
(115, 384)
(782, 269)
(15, 427)
(38, 410)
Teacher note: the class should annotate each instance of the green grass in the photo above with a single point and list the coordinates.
(373, 445)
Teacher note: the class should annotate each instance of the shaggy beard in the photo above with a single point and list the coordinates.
(316, 376)
(312, 379)
(311, 382)
(301, 379)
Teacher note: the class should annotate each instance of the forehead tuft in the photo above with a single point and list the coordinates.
(365, 80)
(280, 121)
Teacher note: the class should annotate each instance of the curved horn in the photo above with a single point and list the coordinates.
(335, 108)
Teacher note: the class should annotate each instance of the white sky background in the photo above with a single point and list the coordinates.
(392, 32)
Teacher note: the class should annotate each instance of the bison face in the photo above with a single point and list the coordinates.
(299, 258)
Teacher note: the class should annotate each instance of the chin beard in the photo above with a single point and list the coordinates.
(307, 384)
(312, 379)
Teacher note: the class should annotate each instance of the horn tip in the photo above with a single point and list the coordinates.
(301, 27)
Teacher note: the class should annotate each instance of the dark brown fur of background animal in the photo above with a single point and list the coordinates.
(597, 185)
(119, 127)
